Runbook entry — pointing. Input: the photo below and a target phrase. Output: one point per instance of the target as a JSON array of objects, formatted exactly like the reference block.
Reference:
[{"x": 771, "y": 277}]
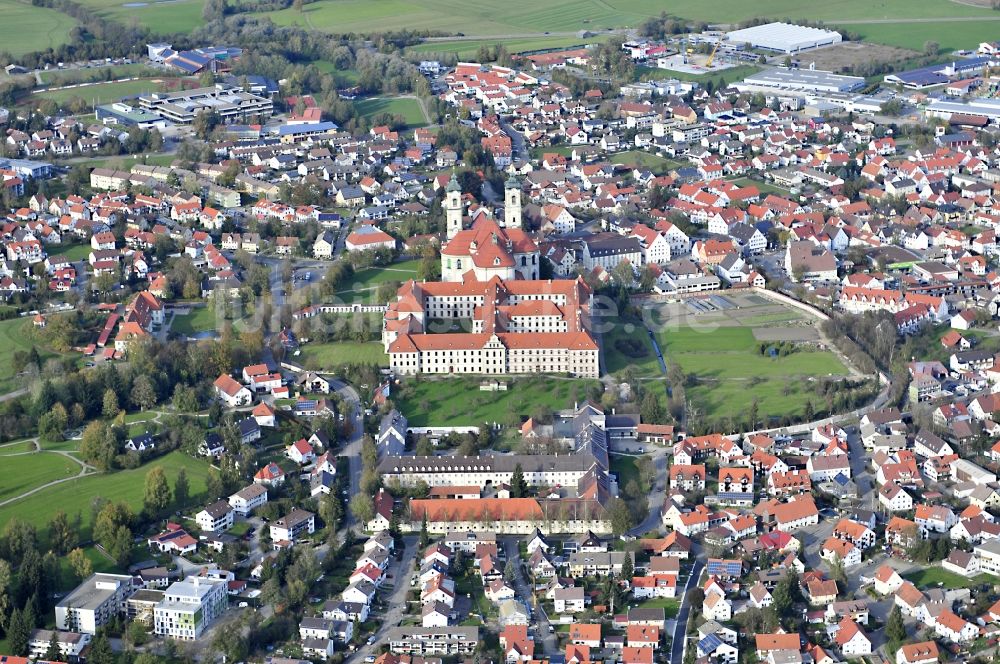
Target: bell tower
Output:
[
  {"x": 453, "y": 207},
  {"x": 512, "y": 203}
]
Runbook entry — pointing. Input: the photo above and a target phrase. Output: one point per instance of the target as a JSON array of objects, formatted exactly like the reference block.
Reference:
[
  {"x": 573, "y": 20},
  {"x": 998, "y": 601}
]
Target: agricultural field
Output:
[
  {"x": 26, "y": 28},
  {"x": 406, "y": 107},
  {"x": 458, "y": 401},
  {"x": 338, "y": 353},
  {"x": 126, "y": 485},
  {"x": 163, "y": 17},
  {"x": 951, "y": 36},
  {"x": 720, "y": 352},
  {"x": 101, "y": 93},
  {"x": 468, "y": 48},
  {"x": 566, "y": 16}
]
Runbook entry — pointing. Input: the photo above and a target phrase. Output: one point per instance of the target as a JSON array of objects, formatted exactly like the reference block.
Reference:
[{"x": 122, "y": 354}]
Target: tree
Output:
[
  {"x": 510, "y": 571},
  {"x": 424, "y": 537},
  {"x": 143, "y": 393},
  {"x": 62, "y": 535},
  {"x": 620, "y": 516},
  {"x": 518, "y": 485},
  {"x": 100, "y": 650},
  {"x": 931, "y": 47},
  {"x": 156, "y": 497},
  {"x": 895, "y": 630},
  {"x": 781, "y": 598},
  {"x": 362, "y": 507},
  {"x": 80, "y": 564},
  {"x": 182, "y": 489},
  {"x": 5, "y": 590},
  {"x": 19, "y": 632},
  {"x": 110, "y": 404},
  {"x": 628, "y": 569},
  {"x": 53, "y": 653}
]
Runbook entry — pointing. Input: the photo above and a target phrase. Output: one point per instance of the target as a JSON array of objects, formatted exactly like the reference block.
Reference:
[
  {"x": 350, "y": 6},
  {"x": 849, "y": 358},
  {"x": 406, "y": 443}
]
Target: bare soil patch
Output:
[{"x": 843, "y": 57}]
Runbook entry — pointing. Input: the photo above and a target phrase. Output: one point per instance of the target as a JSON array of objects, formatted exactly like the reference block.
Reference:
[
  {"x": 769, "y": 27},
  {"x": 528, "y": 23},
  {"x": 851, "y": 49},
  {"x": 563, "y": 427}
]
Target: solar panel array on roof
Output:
[
  {"x": 708, "y": 644},
  {"x": 725, "y": 567},
  {"x": 735, "y": 496}
]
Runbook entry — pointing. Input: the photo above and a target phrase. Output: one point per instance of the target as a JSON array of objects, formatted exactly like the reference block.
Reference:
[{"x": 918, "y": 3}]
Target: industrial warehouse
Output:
[
  {"x": 799, "y": 80},
  {"x": 784, "y": 37}
]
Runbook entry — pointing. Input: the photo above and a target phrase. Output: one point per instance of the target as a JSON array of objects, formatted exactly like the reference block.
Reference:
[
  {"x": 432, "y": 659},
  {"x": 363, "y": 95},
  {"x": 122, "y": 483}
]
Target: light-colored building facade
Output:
[
  {"x": 189, "y": 607},
  {"x": 94, "y": 602}
]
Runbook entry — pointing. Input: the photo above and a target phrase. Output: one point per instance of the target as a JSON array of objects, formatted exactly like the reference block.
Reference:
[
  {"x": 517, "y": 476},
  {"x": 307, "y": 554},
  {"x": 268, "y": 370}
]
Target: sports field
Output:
[
  {"x": 25, "y": 28},
  {"x": 720, "y": 353},
  {"x": 406, "y": 107},
  {"x": 126, "y": 485},
  {"x": 101, "y": 93}
]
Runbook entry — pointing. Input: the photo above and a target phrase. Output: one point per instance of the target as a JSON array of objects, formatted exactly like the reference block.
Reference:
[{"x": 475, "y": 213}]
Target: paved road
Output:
[
  {"x": 352, "y": 448},
  {"x": 395, "y": 603},
  {"x": 679, "y": 639},
  {"x": 523, "y": 590}
]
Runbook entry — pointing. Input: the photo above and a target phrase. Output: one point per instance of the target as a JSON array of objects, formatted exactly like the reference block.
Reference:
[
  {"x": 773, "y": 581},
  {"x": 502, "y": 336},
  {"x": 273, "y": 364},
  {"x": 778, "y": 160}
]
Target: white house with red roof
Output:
[{"x": 300, "y": 451}]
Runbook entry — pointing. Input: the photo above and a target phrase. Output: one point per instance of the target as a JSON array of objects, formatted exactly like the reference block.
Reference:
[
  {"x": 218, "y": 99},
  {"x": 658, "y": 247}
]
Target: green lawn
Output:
[
  {"x": 361, "y": 288},
  {"x": 19, "y": 447},
  {"x": 669, "y": 605},
  {"x": 458, "y": 401},
  {"x": 762, "y": 187},
  {"x": 929, "y": 577},
  {"x": 125, "y": 162},
  {"x": 336, "y": 354},
  {"x": 74, "y": 252},
  {"x": 408, "y": 108},
  {"x": 102, "y": 93},
  {"x": 126, "y": 485},
  {"x": 732, "y": 353},
  {"x": 201, "y": 319},
  {"x": 618, "y": 356},
  {"x": 69, "y": 76},
  {"x": 637, "y": 158},
  {"x": 14, "y": 336},
  {"x": 727, "y": 76},
  {"x": 26, "y": 28},
  {"x": 729, "y": 372},
  {"x": 624, "y": 467},
  {"x": 27, "y": 471}
]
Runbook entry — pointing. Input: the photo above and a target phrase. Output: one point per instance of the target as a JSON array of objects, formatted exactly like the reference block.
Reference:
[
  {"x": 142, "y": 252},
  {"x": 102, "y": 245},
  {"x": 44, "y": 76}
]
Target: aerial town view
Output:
[{"x": 452, "y": 331}]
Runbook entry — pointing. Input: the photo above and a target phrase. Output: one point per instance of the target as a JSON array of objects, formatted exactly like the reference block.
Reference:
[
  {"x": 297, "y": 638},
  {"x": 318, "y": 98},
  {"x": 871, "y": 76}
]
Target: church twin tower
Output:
[{"x": 454, "y": 209}]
